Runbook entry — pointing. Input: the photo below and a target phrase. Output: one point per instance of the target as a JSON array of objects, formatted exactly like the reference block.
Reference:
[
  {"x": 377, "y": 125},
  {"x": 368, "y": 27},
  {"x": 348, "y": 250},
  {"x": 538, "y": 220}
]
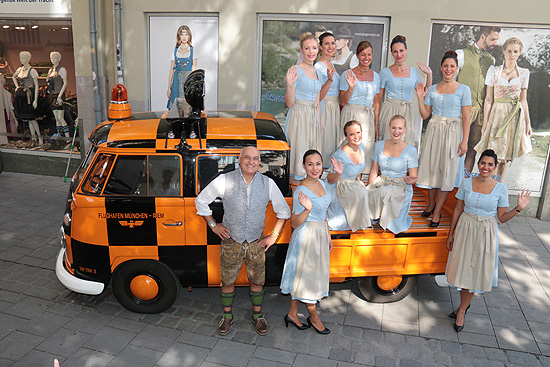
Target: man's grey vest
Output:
[
  {"x": 476, "y": 64},
  {"x": 246, "y": 221}
]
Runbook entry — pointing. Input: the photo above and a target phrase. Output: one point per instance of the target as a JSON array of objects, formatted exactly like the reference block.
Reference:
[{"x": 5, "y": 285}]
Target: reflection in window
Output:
[
  {"x": 129, "y": 176},
  {"x": 164, "y": 170},
  {"x": 96, "y": 179},
  {"x": 145, "y": 175},
  {"x": 273, "y": 165}
]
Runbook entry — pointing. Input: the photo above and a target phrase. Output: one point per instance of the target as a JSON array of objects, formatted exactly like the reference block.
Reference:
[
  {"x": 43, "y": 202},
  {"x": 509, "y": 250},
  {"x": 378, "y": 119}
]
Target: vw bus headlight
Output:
[
  {"x": 62, "y": 239},
  {"x": 67, "y": 219}
]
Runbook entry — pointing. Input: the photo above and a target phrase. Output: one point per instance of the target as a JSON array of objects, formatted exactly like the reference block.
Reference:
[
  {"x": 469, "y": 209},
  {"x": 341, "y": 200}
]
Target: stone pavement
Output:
[{"x": 40, "y": 320}]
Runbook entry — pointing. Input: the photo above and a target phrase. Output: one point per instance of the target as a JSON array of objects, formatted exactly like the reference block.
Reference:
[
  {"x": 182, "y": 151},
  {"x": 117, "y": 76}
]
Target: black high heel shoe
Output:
[
  {"x": 325, "y": 331},
  {"x": 452, "y": 315},
  {"x": 434, "y": 224},
  {"x": 426, "y": 214},
  {"x": 458, "y": 329},
  {"x": 288, "y": 320}
]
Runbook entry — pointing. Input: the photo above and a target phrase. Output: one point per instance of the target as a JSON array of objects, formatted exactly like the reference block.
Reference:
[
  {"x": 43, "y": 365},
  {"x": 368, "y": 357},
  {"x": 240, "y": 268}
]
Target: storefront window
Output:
[{"x": 37, "y": 53}]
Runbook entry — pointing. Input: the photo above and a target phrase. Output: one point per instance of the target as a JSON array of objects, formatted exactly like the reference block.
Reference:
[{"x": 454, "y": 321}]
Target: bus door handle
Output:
[{"x": 176, "y": 224}]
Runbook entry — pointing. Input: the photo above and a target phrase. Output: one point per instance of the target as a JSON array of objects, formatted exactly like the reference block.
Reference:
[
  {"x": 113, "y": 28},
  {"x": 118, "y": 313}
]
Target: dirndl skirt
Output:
[
  {"x": 354, "y": 198},
  {"x": 390, "y": 108},
  {"x": 439, "y": 160},
  {"x": 306, "y": 270},
  {"x": 513, "y": 142},
  {"x": 387, "y": 198},
  {"x": 472, "y": 263},
  {"x": 331, "y": 134},
  {"x": 365, "y": 116},
  {"x": 302, "y": 130}
]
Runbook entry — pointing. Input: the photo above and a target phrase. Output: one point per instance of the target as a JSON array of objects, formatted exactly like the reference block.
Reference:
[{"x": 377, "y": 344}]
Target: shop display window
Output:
[{"x": 40, "y": 121}]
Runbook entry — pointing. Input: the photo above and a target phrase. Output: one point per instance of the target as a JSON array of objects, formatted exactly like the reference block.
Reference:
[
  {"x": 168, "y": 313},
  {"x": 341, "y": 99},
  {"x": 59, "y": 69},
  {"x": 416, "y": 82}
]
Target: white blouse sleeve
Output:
[{"x": 490, "y": 77}]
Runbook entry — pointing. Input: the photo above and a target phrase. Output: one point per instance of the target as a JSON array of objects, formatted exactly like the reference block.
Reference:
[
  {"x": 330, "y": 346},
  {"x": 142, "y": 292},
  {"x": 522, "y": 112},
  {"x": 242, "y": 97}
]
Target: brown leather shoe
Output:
[
  {"x": 261, "y": 325},
  {"x": 225, "y": 325}
]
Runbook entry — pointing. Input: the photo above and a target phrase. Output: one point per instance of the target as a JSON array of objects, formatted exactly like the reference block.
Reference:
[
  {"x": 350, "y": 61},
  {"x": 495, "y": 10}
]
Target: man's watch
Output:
[{"x": 212, "y": 223}]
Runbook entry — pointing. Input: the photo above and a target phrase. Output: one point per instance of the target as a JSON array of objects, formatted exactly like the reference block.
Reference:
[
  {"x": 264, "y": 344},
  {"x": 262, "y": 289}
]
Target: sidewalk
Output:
[{"x": 41, "y": 320}]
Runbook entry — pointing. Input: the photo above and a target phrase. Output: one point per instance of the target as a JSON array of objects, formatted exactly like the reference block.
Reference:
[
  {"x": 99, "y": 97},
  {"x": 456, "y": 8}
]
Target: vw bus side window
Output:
[
  {"x": 211, "y": 166},
  {"x": 164, "y": 175},
  {"x": 273, "y": 165},
  {"x": 129, "y": 176},
  {"x": 96, "y": 178}
]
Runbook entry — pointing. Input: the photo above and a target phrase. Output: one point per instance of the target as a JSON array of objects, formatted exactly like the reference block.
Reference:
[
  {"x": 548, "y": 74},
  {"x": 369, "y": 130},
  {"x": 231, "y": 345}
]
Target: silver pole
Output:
[
  {"x": 95, "y": 65},
  {"x": 118, "y": 37}
]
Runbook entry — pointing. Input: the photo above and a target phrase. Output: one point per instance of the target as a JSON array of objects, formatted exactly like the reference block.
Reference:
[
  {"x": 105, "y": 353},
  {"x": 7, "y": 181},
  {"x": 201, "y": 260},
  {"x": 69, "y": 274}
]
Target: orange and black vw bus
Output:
[{"x": 130, "y": 215}]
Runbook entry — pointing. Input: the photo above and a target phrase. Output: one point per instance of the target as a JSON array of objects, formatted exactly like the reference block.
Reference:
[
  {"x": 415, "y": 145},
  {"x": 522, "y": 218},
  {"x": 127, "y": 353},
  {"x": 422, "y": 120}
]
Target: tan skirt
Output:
[
  {"x": 331, "y": 129},
  {"x": 354, "y": 198},
  {"x": 365, "y": 116},
  {"x": 386, "y": 198},
  {"x": 311, "y": 282},
  {"x": 471, "y": 263},
  {"x": 439, "y": 158},
  {"x": 302, "y": 133},
  {"x": 514, "y": 142},
  {"x": 390, "y": 108}
]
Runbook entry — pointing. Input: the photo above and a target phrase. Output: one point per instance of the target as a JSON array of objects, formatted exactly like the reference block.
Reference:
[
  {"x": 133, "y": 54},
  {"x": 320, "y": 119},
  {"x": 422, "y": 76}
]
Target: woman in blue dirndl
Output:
[{"x": 182, "y": 65}]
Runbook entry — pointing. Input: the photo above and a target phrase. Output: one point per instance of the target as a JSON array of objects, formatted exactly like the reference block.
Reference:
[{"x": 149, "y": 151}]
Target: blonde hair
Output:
[
  {"x": 512, "y": 41},
  {"x": 351, "y": 123},
  {"x": 180, "y": 31},
  {"x": 307, "y": 36},
  {"x": 397, "y": 117}
]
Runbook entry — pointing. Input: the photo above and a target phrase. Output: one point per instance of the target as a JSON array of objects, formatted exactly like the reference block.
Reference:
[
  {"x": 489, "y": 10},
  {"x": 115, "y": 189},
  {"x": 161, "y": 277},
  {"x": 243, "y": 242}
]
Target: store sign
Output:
[{"x": 35, "y": 7}]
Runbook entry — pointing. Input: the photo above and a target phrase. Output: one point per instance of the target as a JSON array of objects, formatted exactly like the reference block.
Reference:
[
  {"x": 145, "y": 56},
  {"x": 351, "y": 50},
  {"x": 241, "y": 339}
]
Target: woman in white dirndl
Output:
[
  {"x": 331, "y": 131},
  {"x": 306, "y": 270},
  {"x": 472, "y": 266},
  {"x": 360, "y": 96},
  {"x": 445, "y": 142},
  {"x": 506, "y": 121},
  {"x": 399, "y": 81},
  {"x": 302, "y": 97}
]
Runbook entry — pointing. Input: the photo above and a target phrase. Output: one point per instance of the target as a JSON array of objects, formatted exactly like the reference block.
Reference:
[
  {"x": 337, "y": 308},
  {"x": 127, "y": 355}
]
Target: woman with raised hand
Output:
[
  {"x": 302, "y": 97},
  {"x": 399, "y": 82},
  {"x": 441, "y": 165},
  {"x": 359, "y": 94},
  {"x": 306, "y": 270},
  {"x": 472, "y": 266},
  {"x": 331, "y": 132},
  {"x": 349, "y": 207}
]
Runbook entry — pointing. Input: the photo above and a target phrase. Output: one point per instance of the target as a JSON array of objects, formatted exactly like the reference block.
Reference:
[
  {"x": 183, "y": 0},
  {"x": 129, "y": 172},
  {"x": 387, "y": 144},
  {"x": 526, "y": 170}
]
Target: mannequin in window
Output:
[
  {"x": 57, "y": 83},
  {"x": 25, "y": 79}
]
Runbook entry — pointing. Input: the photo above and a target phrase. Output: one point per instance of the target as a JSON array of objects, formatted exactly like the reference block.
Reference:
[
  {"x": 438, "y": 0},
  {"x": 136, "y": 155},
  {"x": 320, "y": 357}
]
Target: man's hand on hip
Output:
[{"x": 221, "y": 231}]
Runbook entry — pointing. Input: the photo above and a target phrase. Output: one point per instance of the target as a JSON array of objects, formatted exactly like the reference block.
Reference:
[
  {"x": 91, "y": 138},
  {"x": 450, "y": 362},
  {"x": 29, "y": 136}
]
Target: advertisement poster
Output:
[
  {"x": 163, "y": 47},
  {"x": 525, "y": 171},
  {"x": 280, "y": 49}
]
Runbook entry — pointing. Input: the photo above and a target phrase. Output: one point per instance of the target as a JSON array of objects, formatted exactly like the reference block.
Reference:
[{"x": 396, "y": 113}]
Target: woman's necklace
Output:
[
  {"x": 484, "y": 180},
  {"x": 328, "y": 59},
  {"x": 363, "y": 71},
  {"x": 508, "y": 72}
]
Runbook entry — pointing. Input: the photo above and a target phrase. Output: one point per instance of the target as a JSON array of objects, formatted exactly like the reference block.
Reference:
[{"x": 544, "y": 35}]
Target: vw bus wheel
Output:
[
  {"x": 145, "y": 286},
  {"x": 386, "y": 288}
]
